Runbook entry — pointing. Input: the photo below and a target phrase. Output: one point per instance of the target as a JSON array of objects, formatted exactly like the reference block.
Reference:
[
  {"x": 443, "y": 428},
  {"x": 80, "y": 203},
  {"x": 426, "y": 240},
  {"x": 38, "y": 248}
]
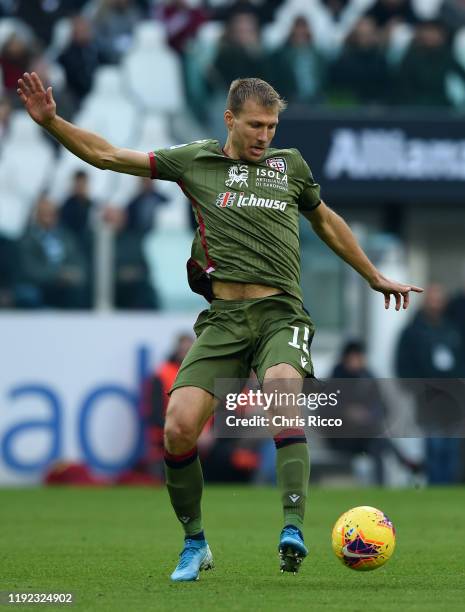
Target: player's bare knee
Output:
[
  {"x": 179, "y": 437},
  {"x": 284, "y": 383},
  {"x": 188, "y": 410}
]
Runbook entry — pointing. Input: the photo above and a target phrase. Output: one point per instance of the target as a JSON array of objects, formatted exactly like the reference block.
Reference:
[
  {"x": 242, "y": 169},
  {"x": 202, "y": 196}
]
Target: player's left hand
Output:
[{"x": 400, "y": 292}]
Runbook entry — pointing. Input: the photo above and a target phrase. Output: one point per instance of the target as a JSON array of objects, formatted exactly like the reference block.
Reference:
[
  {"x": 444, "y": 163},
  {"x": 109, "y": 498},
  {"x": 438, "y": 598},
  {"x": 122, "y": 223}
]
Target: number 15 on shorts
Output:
[{"x": 297, "y": 334}]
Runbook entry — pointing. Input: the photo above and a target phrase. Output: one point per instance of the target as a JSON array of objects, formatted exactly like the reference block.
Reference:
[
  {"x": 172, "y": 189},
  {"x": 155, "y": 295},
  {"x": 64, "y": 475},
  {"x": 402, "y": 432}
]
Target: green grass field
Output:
[{"x": 115, "y": 548}]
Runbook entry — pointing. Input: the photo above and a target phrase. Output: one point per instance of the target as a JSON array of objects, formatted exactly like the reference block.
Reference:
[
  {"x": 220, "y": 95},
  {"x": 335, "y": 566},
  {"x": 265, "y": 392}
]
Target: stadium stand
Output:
[{"x": 145, "y": 97}]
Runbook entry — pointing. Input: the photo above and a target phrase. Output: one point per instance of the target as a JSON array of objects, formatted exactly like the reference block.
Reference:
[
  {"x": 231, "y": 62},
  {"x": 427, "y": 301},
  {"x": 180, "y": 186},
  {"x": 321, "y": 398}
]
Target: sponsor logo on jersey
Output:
[
  {"x": 225, "y": 199},
  {"x": 278, "y": 163},
  {"x": 269, "y": 177},
  {"x": 253, "y": 200},
  {"x": 238, "y": 175},
  {"x": 228, "y": 199}
]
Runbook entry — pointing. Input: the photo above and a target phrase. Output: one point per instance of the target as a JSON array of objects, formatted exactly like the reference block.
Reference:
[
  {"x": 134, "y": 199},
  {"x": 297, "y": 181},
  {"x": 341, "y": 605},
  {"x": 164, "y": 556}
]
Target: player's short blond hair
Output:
[{"x": 256, "y": 89}]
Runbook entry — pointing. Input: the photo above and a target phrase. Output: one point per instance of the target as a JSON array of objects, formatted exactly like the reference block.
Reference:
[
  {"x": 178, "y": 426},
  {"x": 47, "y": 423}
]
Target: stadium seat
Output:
[
  {"x": 174, "y": 214},
  {"x": 458, "y": 46},
  {"x": 198, "y": 58},
  {"x": 427, "y": 9},
  {"x": 328, "y": 36},
  {"x": 61, "y": 36},
  {"x": 107, "y": 111},
  {"x": 26, "y": 154},
  {"x": 56, "y": 77},
  {"x": 153, "y": 133},
  {"x": 399, "y": 41},
  {"x": 15, "y": 209},
  {"x": 167, "y": 253},
  {"x": 274, "y": 34},
  {"x": 152, "y": 72},
  {"x": 455, "y": 85},
  {"x": 10, "y": 25},
  {"x": 209, "y": 34}
]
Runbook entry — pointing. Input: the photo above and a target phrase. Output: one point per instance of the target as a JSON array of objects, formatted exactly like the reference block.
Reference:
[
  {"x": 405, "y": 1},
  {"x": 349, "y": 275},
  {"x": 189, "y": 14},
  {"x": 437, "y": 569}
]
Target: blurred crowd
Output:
[
  {"x": 52, "y": 264},
  {"x": 331, "y": 52},
  {"x": 318, "y": 52}
]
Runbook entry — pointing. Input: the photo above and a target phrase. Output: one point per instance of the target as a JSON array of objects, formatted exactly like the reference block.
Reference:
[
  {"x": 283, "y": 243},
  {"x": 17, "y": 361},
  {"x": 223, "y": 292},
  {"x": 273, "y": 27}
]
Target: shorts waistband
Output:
[{"x": 219, "y": 304}]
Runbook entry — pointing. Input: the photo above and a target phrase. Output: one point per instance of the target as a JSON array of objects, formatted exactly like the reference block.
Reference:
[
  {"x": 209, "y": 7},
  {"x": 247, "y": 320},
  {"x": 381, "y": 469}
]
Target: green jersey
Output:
[{"x": 247, "y": 213}]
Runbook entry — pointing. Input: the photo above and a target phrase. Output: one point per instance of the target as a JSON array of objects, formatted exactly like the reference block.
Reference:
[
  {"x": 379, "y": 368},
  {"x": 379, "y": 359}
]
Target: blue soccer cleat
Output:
[
  {"x": 292, "y": 550},
  {"x": 195, "y": 556}
]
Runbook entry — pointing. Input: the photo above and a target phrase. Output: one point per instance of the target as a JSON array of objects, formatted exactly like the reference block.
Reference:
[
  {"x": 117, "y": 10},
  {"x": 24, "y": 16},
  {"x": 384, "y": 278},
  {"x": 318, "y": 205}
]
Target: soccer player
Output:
[{"x": 246, "y": 262}]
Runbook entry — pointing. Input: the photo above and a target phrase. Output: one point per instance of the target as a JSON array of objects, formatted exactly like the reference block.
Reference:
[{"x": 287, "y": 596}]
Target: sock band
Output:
[
  {"x": 197, "y": 536},
  {"x": 179, "y": 461},
  {"x": 290, "y": 436}
]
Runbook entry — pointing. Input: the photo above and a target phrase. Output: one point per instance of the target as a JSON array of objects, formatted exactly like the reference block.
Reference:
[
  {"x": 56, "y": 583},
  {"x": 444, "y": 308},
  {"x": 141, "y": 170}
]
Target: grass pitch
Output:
[{"x": 115, "y": 548}]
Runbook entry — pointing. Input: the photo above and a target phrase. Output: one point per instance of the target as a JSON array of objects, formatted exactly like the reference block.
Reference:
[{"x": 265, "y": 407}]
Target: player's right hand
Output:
[{"x": 38, "y": 102}]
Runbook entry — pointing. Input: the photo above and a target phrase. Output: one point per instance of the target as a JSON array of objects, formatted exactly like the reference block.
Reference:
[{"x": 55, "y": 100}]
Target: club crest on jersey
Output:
[
  {"x": 225, "y": 199},
  {"x": 278, "y": 163},
  {"x": 238, "y": 175}
]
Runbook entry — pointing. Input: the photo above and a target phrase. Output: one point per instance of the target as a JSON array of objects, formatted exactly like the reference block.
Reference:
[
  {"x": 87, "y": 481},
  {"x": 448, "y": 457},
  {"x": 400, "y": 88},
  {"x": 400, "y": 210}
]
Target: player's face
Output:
[{"x": 252, "y": 130}]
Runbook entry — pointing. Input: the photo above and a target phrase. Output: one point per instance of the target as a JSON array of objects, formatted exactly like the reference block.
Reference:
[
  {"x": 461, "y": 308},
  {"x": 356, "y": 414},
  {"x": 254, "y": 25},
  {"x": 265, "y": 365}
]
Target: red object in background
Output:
[
  {"x": 138, "y": 475},
  {"x": 181, "y": 22},
  {"x": 245, "y": 459},
  {"x": 167, "y": 373},
  {"x": 134, "y": 478},
  {"x": 77, "y": 474},
  {"x": 12, "y": 71},
  {"x": 153, "y": 412}
]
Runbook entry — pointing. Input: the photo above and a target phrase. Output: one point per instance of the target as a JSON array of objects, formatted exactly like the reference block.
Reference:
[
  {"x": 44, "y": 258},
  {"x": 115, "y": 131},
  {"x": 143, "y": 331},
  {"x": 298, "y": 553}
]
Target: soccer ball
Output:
[{"x": 363, "y": 538}]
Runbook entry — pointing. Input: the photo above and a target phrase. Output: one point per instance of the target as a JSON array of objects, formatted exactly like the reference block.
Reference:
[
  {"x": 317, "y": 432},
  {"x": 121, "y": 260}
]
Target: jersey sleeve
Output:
[
  {"x": 170, "y": 164},
  {"x": 309, "y": 197}
]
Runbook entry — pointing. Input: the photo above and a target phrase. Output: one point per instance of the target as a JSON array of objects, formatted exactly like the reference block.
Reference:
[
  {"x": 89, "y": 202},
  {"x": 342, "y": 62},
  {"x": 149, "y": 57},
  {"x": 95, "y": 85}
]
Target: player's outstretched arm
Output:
[
  {"x": 333, "y": 230},
  {"x": 90, "y": 147}
]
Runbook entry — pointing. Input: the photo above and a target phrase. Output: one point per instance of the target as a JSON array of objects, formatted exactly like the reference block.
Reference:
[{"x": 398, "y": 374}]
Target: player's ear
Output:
[{"x": 228, "y": 118}]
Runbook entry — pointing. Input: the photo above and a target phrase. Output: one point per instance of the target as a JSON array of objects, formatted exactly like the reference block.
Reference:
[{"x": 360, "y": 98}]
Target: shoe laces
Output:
[{"x": 187, "y": 554}]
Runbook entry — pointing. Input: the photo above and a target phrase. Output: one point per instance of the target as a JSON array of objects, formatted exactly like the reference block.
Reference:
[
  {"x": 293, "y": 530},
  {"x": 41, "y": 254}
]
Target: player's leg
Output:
[
  {"x": 292, "y": 466},
  {"x": 282, "y": 360},
  {"x": 220, "y": 352},
  {"x": 188, "y": 410}
]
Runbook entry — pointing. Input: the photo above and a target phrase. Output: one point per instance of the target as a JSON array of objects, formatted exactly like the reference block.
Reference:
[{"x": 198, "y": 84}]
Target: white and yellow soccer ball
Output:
[{"x": 363, "y": 538}]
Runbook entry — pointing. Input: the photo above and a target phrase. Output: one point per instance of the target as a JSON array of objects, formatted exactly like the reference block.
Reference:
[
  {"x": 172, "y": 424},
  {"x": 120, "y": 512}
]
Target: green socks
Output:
[
  {"x": 293, "y": 472},
  {"x": 184, "y": 481}
]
